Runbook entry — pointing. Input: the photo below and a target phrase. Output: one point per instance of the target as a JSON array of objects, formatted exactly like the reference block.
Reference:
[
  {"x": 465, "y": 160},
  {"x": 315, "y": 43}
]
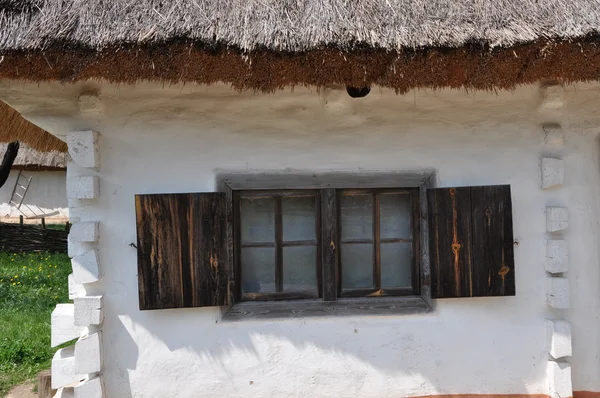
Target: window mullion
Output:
[
  {"x": 376, "y": 243},
  {"x": 278, "y": 245},
  {"x": 319, "y": 248}
]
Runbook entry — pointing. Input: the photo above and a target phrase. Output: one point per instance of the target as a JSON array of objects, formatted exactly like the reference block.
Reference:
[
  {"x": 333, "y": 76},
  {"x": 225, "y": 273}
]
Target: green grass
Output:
[{"x": 30, "y": 287}]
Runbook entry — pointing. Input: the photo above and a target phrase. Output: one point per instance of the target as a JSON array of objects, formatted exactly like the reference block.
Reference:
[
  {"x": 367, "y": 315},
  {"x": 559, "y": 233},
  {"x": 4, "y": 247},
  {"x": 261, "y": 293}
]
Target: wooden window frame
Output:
[
  {"x": 278, "y": 244},
  {"x": 377, "y": 290},
  {"x": 237, "y": 244}
]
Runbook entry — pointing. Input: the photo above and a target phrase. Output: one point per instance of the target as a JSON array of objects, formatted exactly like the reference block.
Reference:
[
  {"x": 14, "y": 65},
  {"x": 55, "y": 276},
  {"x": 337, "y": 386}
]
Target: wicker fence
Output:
[{"x": 17, "y": 238}]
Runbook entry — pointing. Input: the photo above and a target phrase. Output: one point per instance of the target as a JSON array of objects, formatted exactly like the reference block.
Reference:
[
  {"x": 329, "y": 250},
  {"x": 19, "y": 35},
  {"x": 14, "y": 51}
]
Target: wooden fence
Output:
[{"x": 16, "y": 238}]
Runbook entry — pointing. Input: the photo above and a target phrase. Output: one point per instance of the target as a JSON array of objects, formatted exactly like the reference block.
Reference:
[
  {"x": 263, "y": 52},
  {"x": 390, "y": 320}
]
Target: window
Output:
[
  {"x": 237, "y": 246},
  {"x": 379, "y": 255},
  {"x": 279, "y": 245}
]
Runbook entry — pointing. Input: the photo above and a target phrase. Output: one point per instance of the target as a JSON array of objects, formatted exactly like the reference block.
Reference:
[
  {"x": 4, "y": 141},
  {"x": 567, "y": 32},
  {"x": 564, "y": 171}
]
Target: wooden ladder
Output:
[{"x": 17, "y": 197}]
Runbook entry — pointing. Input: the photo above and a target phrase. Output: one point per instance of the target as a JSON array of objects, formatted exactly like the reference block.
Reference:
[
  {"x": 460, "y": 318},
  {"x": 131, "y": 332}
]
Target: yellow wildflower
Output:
[{"x": 14, "y": 284}]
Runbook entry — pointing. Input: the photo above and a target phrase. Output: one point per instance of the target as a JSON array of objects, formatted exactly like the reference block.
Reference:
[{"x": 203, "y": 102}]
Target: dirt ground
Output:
[{"x": 22, "y": 391}]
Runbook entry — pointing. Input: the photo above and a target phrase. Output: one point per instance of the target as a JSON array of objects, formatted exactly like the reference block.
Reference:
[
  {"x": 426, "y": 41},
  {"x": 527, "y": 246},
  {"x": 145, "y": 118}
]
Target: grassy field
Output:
[{"x": 30, "y": 287}]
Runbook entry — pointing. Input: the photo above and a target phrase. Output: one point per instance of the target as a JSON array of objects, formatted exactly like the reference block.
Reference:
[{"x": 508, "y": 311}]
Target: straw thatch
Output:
[
  {"x": 293, "y": 25},
  {"x": 32, "y": 160},
  {"x": 14, "y": 127},
  {"x": 269, "y": 44}
]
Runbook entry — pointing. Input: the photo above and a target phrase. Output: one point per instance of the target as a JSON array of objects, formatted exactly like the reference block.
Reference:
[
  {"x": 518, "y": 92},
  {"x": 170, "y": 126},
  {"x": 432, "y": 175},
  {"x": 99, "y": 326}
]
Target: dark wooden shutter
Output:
[
  {"x": 182, "y": 250},
  {"x": 471, "y": 242}
]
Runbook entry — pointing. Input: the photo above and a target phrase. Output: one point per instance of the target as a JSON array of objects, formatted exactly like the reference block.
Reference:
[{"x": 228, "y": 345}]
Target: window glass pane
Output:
[
  {"x": 258, "y": 270},
  {"x": 396, "y": 265},
  {"x": 299, "y": 268},
  {"x": 357, "y": 217},
  {"x": 299, "y": 218},
  {"x": 258, "y": 219},
  {"x": 395, "y": 214},
  {"x": 357, "y": 265}
]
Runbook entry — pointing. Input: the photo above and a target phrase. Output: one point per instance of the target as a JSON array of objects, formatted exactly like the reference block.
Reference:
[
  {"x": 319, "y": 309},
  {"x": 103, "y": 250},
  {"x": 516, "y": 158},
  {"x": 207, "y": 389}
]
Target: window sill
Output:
[{"x": 252, "y": 310}]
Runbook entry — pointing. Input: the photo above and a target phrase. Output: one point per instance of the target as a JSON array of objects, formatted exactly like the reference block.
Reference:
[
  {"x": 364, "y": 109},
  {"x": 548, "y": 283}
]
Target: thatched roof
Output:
[
  {"x": 14, "y": 127},
  {"x": 32, "y": 160},
  {"x": 269, "y": 44}
]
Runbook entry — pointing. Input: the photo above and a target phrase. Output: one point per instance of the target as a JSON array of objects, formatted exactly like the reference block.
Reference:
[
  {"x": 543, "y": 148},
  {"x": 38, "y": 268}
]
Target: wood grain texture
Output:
[
  {"x": 329, "y": 242},
  {"x": 450, "y": 238},
  {"x": 182, "y": 250},
  {"x": 231, "y": 291},
  {"x": 252, "y": 310},
  {"x": 492, "y": 247},
  {"x": 471, "y": 242}
]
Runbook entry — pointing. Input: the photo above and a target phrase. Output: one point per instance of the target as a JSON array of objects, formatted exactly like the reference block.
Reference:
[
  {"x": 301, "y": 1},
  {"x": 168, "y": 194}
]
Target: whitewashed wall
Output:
[
  {"x": 175, "y": 139},
  {"x": 47, "y": 191}
]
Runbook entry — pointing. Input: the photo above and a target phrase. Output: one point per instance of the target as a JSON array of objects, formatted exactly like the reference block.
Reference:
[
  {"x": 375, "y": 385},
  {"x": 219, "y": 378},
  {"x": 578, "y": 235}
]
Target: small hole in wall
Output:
[{"x": 358, "y": 92}]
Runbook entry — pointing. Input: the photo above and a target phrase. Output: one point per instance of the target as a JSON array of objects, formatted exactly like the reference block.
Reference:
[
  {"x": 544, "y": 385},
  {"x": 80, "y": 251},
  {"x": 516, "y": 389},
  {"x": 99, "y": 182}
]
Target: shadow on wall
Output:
[{"x": 447, "y": 354}]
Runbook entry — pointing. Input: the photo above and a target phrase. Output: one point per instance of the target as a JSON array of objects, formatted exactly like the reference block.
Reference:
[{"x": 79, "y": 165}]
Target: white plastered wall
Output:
[
  {"x": 47, "y": 191},
  {"x": 176, "y": 139}
]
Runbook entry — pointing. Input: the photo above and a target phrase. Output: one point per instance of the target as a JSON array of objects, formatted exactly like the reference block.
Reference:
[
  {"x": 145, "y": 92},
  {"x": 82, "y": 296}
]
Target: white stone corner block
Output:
[
  {"x": 64, "y": 392},
  {"x": 559, "y": 338},
  {"x": 63, "y": 368},
  {"x": 553, "y": 134},
  {"x": 88, "y": 310},
  {"x": 62, "y": 325},
  {"x": 552, "y": 96},
  {"x": 553, "y": 172},
  {"x": 557, "y": 256},
  {"x": 86, "y": 267},
  {"x": 77, "y": 248},
  {"x": 83, "y": 187},
  {"x": 88, "y": 354},
  {"x": 557, "y": 292},
  {"x": 90, "y": 389},
  {"x": 86, "y": 231},
  {"x": 557, "y": 218},
  {"x": 75, "y": 289},
  {"x": 559, "y": 377},
  {"x": 83, "y": 148}
]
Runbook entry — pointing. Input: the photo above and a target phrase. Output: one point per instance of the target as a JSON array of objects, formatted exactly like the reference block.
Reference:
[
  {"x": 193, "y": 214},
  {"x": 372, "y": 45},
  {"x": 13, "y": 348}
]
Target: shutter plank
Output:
[
  {"x": 211, "y": 267},
  {"x": 182, "y": 248},
  {"x": 494, "y": 271},
  {"x": 450, "y": 238},
  {"x": 329, "y": 241}
]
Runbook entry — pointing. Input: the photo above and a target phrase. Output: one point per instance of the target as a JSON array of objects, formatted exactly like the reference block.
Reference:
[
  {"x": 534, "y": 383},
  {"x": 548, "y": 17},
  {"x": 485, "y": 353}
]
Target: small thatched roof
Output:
[
  {"x": 14, "y": 127},
  {"x": 270, "y": 44},
  {"x": 32, "y": 160}
]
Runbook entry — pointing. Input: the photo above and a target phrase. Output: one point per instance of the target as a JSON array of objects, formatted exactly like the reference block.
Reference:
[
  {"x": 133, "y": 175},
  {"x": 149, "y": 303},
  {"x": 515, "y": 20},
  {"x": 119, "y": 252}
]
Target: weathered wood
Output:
[
  {"x": 450, "y": 241},
  {"x": 252, "y": 310},
  {"x": 329, "y": 242},
  {"x": 319, "y": 247},
  {"x": 416, "y": 243},
  {"x": 182, "y": 250},
  {"x": 471, "y": 242},
  {"x": 231, "y": 296},
  {"x": 339, "y": 180},
  {"x": 377, "y": 241},
  {"x": 492, "y": 246},
  {"x": 278, "y": 244},
  {"x": 44, "y": 380}
]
